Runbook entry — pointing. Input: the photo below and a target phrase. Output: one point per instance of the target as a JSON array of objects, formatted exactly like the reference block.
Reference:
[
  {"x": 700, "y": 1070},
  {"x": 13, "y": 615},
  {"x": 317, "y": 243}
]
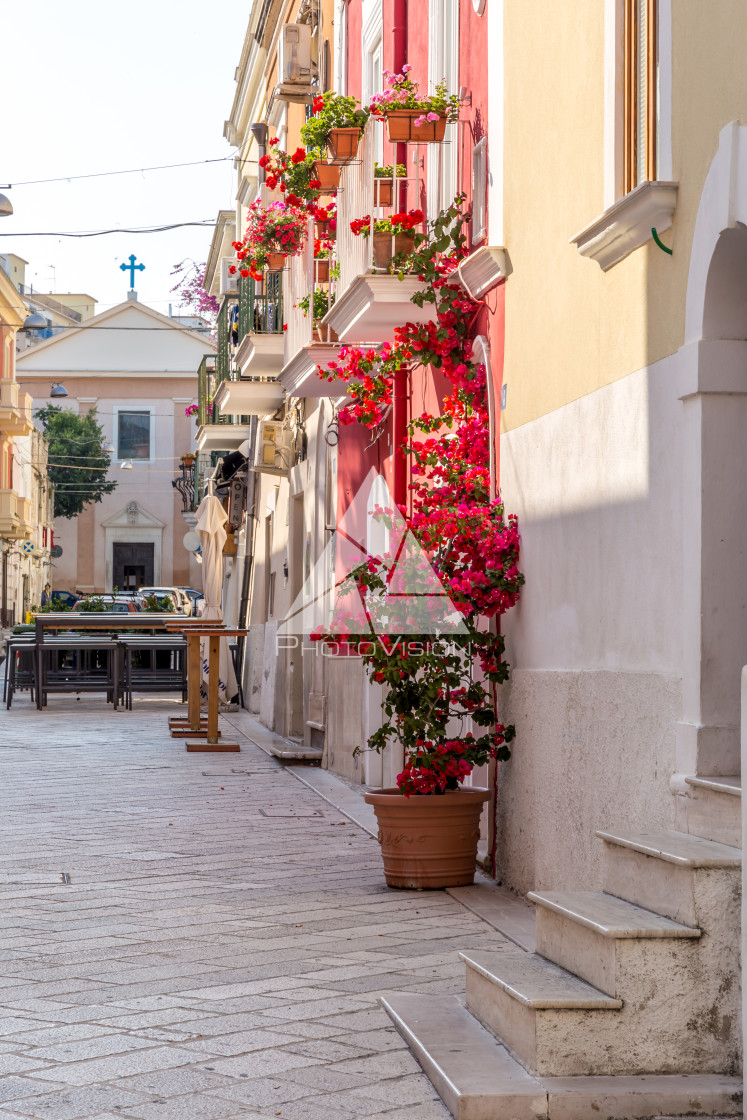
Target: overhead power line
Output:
[
  {"x": 103, "y": 174},
  {"x": 104, "y": 232}
]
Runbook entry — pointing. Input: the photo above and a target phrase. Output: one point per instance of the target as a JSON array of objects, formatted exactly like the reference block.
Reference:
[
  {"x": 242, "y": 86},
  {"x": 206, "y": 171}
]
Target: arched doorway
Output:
[{"x": 715, "y": 469}]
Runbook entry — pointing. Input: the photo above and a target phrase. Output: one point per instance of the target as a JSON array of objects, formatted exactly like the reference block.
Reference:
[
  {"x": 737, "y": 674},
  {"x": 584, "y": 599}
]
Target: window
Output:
[
  {"x": 479, "y": 190},
  {"x": 640, "y": 93},
  {"x": 133, "y": 434}
]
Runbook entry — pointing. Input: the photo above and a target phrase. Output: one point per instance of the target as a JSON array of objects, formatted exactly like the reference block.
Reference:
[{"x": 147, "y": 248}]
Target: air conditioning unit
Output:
[
  {"x": 294, "y": 54},
  {"x": 229, "y": 285},
  {"x": 274, "y": 448}
]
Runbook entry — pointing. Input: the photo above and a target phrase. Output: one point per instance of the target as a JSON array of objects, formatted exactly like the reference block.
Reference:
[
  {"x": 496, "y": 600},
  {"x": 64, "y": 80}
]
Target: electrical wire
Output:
[
  {"x": 104, "y": 232},
  {"x": 106, "y": 174}
]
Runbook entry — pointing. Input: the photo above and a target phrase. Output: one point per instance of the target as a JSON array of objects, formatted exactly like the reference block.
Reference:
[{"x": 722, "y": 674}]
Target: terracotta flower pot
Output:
[
  {"x": 400, "y": 126},
  {"x": 324, "y": 334},
  {"x": 321, "y": 270},
  {"x": 342, "y": 143},
  {"x": 324, "y": 229},
  {"x": 382, "y": 192},
  {"x": 382, "y": 246},
  {"x": 275, "y": 262},
  {"x": 429, "y": 842},
  {"x": 328, "y": 175}
]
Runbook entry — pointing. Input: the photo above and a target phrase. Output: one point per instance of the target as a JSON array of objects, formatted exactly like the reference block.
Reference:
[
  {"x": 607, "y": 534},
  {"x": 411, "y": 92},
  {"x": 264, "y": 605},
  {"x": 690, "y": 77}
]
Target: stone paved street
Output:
[{"x": 197, "y": 937}]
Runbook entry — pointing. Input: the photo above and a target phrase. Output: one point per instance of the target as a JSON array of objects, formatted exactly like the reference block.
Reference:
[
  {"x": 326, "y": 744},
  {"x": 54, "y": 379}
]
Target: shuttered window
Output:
[{"x": 640, "y": 92}]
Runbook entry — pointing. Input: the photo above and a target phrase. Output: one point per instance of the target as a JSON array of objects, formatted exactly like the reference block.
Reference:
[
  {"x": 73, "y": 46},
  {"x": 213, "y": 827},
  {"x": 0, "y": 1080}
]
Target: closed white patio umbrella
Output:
[{"x": 211, "y": 519}]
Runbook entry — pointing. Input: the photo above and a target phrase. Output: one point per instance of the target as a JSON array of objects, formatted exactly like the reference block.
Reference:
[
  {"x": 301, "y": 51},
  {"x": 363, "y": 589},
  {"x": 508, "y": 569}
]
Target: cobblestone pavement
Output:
[{"x": 198, "y": 937}]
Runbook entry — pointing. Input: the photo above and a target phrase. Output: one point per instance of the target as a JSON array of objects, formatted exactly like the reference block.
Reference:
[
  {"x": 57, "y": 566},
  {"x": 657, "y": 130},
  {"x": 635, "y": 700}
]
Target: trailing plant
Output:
[
  {"x": 402, "y": 92},
  {"x": 190, "y": 289},
  {"x": 332, "y": 110},
  {"x": 388, "y": 172},
  {"x": 322, "y": 303},
  {"x": 277, "y": 228},
  {"x": 440, "y": 669},
  {"x": 394, "y": 224}
]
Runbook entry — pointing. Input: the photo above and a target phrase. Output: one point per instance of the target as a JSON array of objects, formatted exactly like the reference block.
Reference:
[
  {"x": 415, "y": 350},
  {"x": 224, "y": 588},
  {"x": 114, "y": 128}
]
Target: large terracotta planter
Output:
[
  {"x": 275, "y": 262},
  {"x": 400, "y": 125},
  {"x": 342, "y": 143},
  {"x": 328, "y": 175},
  {"x": 429, "y": 842},
  {"x": 382, "y": 246}
]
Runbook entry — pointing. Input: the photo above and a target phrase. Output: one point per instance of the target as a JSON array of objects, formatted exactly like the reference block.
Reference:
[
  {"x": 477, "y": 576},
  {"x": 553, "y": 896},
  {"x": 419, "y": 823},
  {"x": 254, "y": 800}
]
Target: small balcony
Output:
[
  {"x": 306, "y": 346},
  {"x": 15, "y": 409},
  {"x": 370, "y": 302},
  {"x": 256, "y": 339},
  {"x": 15, "y": 516},
  {"x": 216, "y": 432}
]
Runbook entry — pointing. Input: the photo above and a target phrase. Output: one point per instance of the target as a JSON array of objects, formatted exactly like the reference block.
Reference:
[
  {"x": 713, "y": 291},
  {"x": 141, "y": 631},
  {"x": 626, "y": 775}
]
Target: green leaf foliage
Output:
[{"x": 78, "y": 465}]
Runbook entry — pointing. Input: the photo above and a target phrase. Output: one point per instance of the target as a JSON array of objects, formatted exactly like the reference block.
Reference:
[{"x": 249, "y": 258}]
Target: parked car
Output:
[
  {"x": 67, "y": 598},
  {"x": 180, "y": 601},
  {"x": 112, "y": 604},
  {"x": 198, "y": 599}
]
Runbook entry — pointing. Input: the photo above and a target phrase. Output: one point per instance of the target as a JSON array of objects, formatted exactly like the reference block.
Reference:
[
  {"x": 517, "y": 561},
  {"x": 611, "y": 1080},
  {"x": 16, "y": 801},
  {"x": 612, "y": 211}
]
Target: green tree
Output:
[{"x": 78, "y": 462}]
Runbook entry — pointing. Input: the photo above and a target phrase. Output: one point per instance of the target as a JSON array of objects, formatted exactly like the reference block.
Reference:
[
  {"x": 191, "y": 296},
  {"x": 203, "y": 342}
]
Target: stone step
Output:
[
  {"x": 713, "y": 809},
  {"x": 469, "y": 1069},
  {"x": 643, "y": 1098},
  {"x": 540, "y": 1011},
  {"x": 477, "y": 1078},
  {"x": 661, "y": 971},
  {"x": 670, "y": 873}
]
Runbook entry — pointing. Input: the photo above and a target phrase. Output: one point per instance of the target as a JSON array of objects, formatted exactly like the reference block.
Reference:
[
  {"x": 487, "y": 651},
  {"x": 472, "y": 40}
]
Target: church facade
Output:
[{"x": 137, "y": 368}]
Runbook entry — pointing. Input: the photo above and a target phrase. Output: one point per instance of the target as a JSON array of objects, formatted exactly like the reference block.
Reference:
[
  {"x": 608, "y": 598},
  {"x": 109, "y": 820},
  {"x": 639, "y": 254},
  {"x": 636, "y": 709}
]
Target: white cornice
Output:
[
  {"x": 373, "y": 305},
  {"x": 482, "y": 270},
  {"x": 628, "y": 224},
  {"x": 300, "y": 378}
]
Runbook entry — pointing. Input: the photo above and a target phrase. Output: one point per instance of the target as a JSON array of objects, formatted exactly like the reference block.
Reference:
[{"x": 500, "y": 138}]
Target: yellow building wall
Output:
[{"x": 571, "y": 328}]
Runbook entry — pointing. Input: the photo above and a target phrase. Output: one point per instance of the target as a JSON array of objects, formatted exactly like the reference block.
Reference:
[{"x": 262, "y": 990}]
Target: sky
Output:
[{"x": 90, "y": 87}]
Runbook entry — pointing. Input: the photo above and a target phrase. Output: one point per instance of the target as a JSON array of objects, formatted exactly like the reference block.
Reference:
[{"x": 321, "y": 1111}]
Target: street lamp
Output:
[
  {"x": 6, "y": 206},
  {"x": 34, "y": 322},
  {"x": 58, "y": 391}
]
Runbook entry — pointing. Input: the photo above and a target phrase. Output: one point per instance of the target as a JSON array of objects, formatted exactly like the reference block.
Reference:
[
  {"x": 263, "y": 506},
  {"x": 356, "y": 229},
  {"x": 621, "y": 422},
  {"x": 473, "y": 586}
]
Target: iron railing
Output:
[
  {"x": 206, "y": 384},
  {"x": 261, "y": 305}
]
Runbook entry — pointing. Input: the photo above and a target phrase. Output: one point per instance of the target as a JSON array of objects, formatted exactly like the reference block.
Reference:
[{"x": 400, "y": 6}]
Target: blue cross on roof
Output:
[{"x": 131, "y": 267}]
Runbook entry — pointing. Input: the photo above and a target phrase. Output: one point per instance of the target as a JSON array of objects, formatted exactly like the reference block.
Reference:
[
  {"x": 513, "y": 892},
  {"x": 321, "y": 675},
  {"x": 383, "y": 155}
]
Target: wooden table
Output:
[
  {"x": 88, "y": 620},
  {"x": 214, "y": 631},
  {"x": 193, "y": 724}
]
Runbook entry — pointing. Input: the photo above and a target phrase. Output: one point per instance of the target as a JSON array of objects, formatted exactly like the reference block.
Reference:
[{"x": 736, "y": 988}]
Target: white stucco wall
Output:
[{"x": 595, "y": 642}]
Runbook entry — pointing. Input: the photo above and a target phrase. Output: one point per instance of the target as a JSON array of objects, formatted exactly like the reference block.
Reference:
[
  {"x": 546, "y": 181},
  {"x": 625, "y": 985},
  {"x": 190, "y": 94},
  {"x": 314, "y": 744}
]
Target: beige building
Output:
[
  {"x": 137, "y": 368},
  {"x": 25, "y": 494}
]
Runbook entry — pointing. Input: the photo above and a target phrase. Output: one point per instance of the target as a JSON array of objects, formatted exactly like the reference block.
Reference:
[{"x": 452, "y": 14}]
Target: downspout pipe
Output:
[
  {"x": 259, "y": 132},
  {"x": 399, "y": 396}
]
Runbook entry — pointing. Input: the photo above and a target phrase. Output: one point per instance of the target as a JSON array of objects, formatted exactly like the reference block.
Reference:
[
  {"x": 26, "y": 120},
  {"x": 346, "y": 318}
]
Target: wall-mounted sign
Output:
[
  {"x": 27, "y": 547},
  {"x": 56, "y": 552}
]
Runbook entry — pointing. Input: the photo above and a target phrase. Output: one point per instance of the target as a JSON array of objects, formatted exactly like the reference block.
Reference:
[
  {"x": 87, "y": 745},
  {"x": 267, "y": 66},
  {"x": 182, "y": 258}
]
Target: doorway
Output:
[{"x": 132, "y": 565}]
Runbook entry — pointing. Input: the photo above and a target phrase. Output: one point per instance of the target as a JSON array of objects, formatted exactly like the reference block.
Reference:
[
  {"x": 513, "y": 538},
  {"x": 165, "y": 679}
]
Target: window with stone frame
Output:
[{"x": 640, "y": 92}]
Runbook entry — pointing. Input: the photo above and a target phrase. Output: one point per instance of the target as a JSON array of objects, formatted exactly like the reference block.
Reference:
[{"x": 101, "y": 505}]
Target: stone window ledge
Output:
[{"x": 628, "y": 224}]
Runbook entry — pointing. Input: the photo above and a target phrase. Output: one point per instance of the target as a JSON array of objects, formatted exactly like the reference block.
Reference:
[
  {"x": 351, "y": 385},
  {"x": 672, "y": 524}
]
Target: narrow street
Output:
[{"x": 198, "y": 937}]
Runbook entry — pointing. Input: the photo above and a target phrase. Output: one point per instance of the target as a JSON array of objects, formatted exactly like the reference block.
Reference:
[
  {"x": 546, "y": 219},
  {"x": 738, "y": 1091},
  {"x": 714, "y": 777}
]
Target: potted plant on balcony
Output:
[
  {"x": 322, "y": 255},
  {"x": 325, "y": 221},
  {"x": 393, "y": 237},
  {"x": 410, "y": 115},
  {"x": 384, "y": 181},
  {"x": 272, "y": 234},
  {"x": 322, "y": 301},
  {"x": 336, "y": 123}
]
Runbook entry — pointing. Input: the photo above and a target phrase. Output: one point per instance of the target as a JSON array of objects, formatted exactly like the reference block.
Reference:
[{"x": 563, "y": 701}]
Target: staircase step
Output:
[
  {"x": 679, "y": 848},
  {"x": 670, "y": 981},
  {"x": 608, "y": 916},
  {"x": 670, "y": 873},
  {"x": 540, "y": 1011},
  {"x": 470, "y": 1070},
  {"x": 713, "y": 809},
  {"x": 643, "y": 1098},
  {"x": 477, "y": 1078},
  {"x": 580, "y": 931}
]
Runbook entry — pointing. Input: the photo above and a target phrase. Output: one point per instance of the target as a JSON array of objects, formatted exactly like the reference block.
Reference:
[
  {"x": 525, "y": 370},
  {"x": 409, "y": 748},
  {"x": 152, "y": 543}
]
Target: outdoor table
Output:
[
  {"x": 193, "y": 723},
  {"x": 83, "y": 620},
  {"x": 214, "y": 631},
  {"x": 80, "y": 676}
]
